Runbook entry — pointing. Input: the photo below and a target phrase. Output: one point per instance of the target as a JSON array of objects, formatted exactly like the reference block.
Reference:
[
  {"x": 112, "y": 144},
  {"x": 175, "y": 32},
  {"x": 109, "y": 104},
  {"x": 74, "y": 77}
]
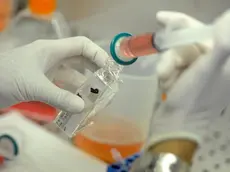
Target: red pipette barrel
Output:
[{"x": 125, "y": 48}]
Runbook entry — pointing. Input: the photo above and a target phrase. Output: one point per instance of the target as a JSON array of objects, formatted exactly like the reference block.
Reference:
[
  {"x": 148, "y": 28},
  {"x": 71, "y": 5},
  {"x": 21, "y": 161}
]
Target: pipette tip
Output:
[{"x": 114, "y": 50}]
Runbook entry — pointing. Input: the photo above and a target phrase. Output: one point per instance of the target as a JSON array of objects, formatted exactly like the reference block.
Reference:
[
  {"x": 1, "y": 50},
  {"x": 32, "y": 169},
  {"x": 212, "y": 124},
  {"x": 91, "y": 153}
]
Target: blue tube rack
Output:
[{"x": 123, "y": 166}]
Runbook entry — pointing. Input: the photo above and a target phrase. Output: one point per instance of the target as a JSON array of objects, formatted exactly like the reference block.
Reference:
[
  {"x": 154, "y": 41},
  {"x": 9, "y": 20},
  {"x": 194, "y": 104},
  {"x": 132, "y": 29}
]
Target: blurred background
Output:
[
  {"x": 104, "y": 18},
  {"x": 127, "y": 118}
]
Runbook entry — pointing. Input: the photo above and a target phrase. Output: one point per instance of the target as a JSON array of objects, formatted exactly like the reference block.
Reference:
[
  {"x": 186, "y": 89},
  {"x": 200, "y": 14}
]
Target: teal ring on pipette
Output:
[
  {"x": 113, "y": 49},
  {"x": 14, "y": 143}
]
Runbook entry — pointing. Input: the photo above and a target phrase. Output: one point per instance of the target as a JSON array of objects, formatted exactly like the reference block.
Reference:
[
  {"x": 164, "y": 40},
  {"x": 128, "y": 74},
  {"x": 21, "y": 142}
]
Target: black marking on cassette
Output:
[
  {"x": 79, "y": 95},
  {"x": 94, "y": 90},
  {"x": 93, "y": 94}
]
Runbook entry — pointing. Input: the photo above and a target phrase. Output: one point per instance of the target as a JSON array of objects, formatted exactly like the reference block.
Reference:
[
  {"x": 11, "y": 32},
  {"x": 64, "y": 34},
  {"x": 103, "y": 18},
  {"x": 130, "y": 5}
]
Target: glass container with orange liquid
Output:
[
  {"x": 123, "y": 125},
  {"x": 39, "y": 21},
  {"x": 107, "y": 133}
]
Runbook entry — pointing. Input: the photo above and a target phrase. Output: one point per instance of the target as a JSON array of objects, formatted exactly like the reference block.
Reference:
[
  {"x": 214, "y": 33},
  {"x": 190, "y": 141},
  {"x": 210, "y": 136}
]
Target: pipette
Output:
[{"x": 125, "y": 48}]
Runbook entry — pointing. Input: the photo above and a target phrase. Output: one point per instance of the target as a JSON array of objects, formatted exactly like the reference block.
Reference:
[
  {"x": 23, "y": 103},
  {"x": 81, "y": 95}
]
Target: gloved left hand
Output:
[{"x": 22, "y": 72}]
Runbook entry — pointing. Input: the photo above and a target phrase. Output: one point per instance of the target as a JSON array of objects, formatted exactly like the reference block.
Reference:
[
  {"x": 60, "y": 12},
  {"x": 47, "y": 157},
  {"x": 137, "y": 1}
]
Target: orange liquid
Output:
[
  {"x": 107, "y": 134},
  {"x": 42, "y": 6},
  {"x": 135, "y": 46},
  {"x": 5, "y": 13}
]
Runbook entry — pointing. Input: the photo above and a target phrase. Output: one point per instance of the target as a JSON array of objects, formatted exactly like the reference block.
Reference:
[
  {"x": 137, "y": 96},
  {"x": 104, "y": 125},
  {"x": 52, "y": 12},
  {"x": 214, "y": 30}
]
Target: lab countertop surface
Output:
[{"x": 41, "y": 151}]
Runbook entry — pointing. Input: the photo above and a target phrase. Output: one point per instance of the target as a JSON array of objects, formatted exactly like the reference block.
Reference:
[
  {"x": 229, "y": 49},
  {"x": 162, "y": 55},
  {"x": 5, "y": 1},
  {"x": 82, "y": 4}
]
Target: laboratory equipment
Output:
[
  {"x": 44, "y": 152},
  {"x": 8, "y": 147},
  {"x": 97, "y": 91},
  {"x": 7, "y": 10},
  {"x": 159, "y": 162},
  {"x": 125, "y": 48},
  {"x": 10, "y": 142},
  {"x": 123, "y": 165},
  {"x": 38, "y": 21},
  {"x": 123, "y": 124}
]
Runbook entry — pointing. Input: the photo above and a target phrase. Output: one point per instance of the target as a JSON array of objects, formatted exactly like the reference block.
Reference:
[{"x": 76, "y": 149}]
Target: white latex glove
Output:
[
  {"x": 22, "y": 71},
  {"x": 174, "y": 61},
  {"x": 197, "y": 84}
]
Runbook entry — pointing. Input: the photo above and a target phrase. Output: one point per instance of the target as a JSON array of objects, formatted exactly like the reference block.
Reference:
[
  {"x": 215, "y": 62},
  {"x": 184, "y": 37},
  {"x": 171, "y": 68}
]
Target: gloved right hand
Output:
[
  {"x": 175, "y": 61},
  {"x": 196, "y": 79}
]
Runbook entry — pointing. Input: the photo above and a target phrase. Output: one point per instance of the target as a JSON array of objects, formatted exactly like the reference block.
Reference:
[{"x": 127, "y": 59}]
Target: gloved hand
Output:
[
  {"x": 174, "y": 61},
  {"x": 196, "y": 80},
  {"x": 22, "y": 71}
]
